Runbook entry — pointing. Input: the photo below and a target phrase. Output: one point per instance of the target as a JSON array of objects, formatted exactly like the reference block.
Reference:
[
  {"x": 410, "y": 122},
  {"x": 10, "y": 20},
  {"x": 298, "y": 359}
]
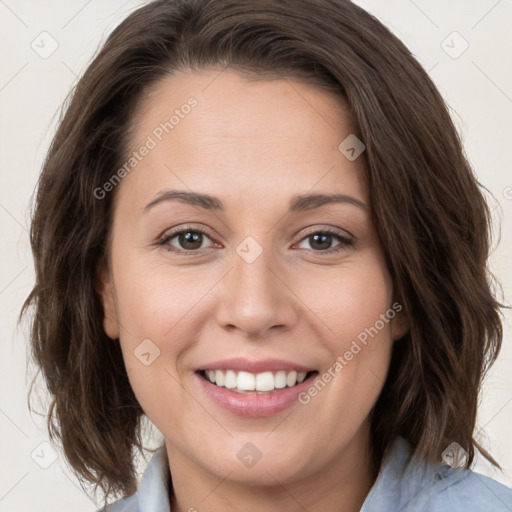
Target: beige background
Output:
[{"x": 475, "y": 81}]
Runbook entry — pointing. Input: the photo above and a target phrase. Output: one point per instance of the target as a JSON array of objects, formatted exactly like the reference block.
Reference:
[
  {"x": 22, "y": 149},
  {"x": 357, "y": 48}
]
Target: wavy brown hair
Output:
[{"x": 427, "y": 206}]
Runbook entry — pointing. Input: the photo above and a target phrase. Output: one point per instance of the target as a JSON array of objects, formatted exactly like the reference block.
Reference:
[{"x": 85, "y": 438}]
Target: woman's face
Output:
[{"x": 267, "y": 285}]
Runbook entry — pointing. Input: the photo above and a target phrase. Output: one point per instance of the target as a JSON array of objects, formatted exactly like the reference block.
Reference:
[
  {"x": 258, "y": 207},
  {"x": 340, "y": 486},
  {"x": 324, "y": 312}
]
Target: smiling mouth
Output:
[{"x": 255, "y": 383}]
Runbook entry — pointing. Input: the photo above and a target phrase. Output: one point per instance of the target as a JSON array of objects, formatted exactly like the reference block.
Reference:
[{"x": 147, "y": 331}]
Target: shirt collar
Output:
[
  {"x": 406, "y": 481},
  {"x": 153, "y": 495}
]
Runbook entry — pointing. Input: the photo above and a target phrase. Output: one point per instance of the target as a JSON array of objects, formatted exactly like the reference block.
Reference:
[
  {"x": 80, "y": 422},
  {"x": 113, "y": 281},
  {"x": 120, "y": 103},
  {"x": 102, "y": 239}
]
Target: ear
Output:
[
  {"x": 400, "y": 324},
  {"x": 106, "y": 291}
]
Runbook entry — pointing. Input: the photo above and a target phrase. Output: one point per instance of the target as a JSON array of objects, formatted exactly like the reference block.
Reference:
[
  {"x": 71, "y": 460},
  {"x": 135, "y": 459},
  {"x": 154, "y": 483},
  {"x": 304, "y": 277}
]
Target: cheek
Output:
[
  {"x": 351, "y": 303},
  {"x": 155, "y": 299},
  {"x": 154, "y": 302},
  {"x": 358, "y": 312}
]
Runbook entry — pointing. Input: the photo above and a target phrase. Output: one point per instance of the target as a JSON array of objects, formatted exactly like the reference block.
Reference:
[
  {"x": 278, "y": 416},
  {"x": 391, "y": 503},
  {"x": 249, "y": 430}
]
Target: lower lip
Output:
[{"x": 254, "y": 404}]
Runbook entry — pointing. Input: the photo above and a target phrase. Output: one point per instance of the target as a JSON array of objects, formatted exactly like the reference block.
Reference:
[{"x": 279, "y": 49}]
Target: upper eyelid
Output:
[
  {"x": 314, "y": 229},
  {"x": 166, "y": 237},
  {"x": 168, "y": 234},
  {"x": 332, "y": 230}
]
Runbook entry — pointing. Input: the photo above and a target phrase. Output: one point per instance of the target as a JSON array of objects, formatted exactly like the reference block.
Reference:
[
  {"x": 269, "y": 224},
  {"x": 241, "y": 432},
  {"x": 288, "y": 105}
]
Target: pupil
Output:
[
  {"x": 190, "y": 238},
  {"x": 318, "y": 240}
]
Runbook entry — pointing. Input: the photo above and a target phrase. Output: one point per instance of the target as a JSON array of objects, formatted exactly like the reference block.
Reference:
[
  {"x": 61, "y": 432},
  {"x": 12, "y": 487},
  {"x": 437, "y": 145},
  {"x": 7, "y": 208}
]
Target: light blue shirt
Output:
[{"x": 402, "y": 485}]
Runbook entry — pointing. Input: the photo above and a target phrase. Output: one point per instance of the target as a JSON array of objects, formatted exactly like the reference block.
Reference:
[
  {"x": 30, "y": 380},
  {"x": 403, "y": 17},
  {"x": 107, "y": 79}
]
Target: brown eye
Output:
[
  {"x": 321, "y": 241},
  {"x": 190, "y": 240},
  {"x": 184, "y": 240}
]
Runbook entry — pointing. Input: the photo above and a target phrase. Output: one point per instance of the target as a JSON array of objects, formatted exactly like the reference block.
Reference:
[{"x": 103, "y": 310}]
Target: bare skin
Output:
[{"x": 255, "y": 146}]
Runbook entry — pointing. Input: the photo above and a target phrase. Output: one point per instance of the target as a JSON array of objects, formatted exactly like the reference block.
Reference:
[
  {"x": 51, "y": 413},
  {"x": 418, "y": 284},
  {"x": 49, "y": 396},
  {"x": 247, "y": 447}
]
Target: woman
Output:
[{"x": 256, "y": 227}]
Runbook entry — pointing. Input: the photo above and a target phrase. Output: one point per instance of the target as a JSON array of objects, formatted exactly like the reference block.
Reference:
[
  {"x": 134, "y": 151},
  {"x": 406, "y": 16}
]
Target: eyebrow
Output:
[{"x": 297, "y": 204}]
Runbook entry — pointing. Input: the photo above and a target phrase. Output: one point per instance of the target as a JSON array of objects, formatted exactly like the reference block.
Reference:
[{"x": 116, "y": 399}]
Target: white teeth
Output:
[
  {"x": 230, "y": 379},
  {"x": 246, "y": 381},
  {"x": 280, "y": 380},
  {"x": 219, "y": 378},
  {"x": 265, "y": 381},
  {"x": 291, "y": 378},
  {"x": 301, "y": 376}
]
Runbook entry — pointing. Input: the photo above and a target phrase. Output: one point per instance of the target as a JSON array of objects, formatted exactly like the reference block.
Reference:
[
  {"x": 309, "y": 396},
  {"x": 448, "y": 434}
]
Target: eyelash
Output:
[{"x": 344, "y": 241}]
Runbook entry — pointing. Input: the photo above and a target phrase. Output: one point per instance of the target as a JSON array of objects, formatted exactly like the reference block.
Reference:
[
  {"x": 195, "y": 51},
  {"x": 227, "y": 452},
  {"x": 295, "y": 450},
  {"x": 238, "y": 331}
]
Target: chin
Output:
[
  {"x": 261, "y": 463},
  {"x": 262, "y": 474}
]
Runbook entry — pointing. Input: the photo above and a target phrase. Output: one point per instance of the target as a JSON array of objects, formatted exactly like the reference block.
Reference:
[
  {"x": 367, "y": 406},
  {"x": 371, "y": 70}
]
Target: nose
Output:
[{"x": 256, "y": 297}]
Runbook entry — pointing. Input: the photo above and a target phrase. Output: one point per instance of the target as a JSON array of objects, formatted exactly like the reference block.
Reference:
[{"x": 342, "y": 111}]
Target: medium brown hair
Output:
[{"x": 427, "y": 206}]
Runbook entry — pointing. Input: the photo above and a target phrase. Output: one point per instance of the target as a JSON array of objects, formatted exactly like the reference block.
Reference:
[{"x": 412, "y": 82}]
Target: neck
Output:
[{"x": 340, "y": 485}]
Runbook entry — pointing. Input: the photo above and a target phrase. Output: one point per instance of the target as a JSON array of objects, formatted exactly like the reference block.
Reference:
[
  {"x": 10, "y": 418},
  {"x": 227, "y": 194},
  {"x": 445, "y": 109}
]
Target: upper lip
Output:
[{"x": 263, "y": 365}]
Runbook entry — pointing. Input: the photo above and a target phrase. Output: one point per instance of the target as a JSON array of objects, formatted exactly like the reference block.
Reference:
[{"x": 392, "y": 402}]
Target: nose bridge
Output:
[{"x": 256, "y": 297}]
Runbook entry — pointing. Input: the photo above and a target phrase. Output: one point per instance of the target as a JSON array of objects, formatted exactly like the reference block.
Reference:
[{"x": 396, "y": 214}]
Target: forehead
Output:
[{"x": 216, "y": 130}]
